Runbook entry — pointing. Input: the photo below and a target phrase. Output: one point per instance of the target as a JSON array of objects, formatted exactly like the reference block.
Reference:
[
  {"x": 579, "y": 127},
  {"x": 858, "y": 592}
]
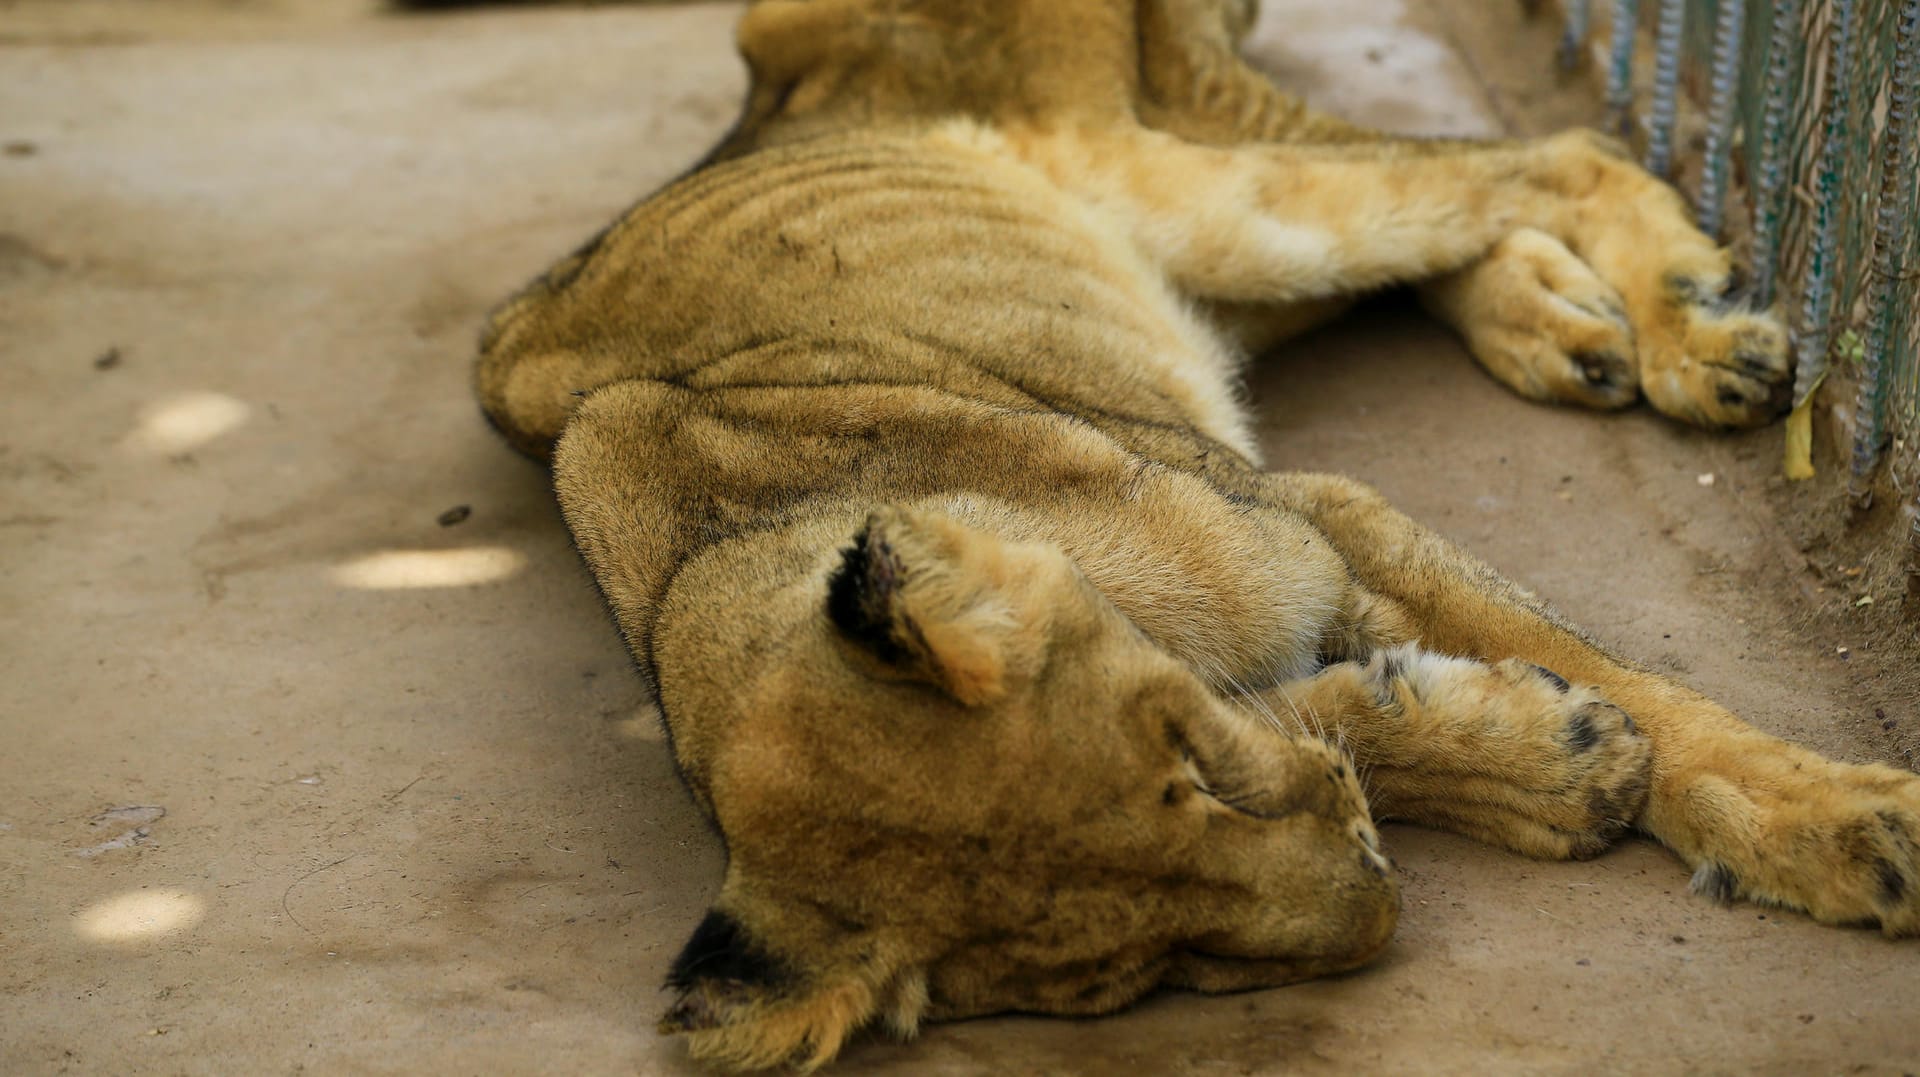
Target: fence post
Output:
[
  {"x": 1770, "y": 181},
  {"x": 1889, "y": 241},
  {"x": 1810, "y": 343},
  {"x": 1666, "y": 86},
  {"x": 1728, "y": 34},
  {"x": 1626, "y": 16}
]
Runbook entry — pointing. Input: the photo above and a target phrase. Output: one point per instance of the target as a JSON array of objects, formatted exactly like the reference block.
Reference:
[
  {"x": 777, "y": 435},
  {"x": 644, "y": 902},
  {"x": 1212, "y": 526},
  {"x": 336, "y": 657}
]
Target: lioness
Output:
[{"x": 902, "y": 437}]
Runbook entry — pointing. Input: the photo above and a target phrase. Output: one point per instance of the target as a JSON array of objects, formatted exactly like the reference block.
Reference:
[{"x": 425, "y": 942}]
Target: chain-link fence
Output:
[{"x": 1793, "y": 124}]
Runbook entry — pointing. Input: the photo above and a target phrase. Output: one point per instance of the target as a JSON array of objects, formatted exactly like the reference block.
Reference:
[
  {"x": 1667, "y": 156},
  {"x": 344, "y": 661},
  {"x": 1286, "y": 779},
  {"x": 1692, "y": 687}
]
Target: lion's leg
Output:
[
  {"x": 1572, "y": 272},
  {"x": 1508, "y": 753},
  {"x": 1283, "y": 223},
  {"x": 1754, "y": 816},
  {"x": 1541, "y": 321},
  {"x": 1608, "y": 292},
  {"x": 1634, "y": 300},
  {"x": 1194, "y": 84}
]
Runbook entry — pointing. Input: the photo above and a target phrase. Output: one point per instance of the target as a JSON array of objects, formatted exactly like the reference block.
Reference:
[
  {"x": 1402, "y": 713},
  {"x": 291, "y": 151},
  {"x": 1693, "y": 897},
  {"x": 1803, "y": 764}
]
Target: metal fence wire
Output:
[{"x": 1805, "y": 115}]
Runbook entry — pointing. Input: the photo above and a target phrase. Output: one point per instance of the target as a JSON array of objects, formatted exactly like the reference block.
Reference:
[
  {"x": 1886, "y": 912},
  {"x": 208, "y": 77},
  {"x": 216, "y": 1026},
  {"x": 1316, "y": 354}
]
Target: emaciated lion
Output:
[{"x": 902, "y": 437}]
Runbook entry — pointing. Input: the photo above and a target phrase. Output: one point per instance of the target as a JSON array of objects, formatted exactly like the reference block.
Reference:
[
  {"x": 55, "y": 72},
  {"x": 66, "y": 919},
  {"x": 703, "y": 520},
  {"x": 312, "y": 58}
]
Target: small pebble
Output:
[{"x": 1705, "y": 480}]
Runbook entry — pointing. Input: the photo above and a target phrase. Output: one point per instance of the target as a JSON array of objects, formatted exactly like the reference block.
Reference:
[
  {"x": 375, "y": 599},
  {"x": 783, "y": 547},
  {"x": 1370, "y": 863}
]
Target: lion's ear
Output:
[
  {"x": 932, "y": 599},
  {"x": 741, "y": 1005}
]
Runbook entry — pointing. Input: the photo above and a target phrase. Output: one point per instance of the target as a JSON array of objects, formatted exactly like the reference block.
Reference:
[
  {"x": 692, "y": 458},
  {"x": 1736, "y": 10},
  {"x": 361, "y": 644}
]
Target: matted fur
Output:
[{"x": 902, "y": 436}]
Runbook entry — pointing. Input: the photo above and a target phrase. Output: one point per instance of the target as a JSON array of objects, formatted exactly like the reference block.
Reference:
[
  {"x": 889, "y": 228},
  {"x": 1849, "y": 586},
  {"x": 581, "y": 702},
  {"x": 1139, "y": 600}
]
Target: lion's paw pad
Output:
[{"x": 1721, "y": 365}]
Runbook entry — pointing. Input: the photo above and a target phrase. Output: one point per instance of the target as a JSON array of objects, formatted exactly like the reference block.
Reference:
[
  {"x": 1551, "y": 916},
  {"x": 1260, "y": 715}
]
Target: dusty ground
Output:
[{"x": 417, "y": 815}]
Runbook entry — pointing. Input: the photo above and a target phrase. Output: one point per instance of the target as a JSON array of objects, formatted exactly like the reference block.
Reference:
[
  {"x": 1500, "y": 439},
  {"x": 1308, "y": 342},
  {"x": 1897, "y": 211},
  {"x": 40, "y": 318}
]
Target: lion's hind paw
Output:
[
  {"x": 1716, "y": 363},
  {"x": 1542, "y": 321},
  {"x": 1844, "y": 847}
]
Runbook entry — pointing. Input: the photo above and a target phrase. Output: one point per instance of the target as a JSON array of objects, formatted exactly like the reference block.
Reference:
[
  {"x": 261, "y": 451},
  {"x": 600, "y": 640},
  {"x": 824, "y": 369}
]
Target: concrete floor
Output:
[{"x": 301, "y": 774}]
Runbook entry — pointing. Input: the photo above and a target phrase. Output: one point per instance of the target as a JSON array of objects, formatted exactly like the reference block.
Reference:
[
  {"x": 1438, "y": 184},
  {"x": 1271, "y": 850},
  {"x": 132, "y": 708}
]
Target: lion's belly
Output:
[{"x": 934, "y": 261}]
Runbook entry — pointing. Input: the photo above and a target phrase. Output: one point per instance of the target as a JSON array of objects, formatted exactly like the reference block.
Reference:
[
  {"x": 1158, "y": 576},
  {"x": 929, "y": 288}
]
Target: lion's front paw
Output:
[
  {"x": 1594, "y": 778},
  {"x": 1541, "y": 321},
  {"x": 1710, "y": 362},
  {"x": 1840, "y": 842},
  {"x": 1703, "y": 356},
  {"x": 1514, "y": 755}
]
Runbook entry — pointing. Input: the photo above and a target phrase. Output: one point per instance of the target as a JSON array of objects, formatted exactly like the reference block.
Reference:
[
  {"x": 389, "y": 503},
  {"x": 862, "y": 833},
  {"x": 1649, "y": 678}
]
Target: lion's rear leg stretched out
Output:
[
  {"x": 1572, "y": 274},
  {"x": 1625, "y": 297}
]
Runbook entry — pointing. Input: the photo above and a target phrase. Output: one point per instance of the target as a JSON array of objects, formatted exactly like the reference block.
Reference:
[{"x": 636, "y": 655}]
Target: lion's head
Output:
[{"x": 954, "y": 778}]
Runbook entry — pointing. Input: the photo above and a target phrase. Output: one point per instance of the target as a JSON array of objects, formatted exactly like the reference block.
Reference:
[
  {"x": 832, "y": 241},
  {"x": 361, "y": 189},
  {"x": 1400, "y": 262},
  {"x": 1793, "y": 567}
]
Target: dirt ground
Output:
[{"x": 321, "y": 755}]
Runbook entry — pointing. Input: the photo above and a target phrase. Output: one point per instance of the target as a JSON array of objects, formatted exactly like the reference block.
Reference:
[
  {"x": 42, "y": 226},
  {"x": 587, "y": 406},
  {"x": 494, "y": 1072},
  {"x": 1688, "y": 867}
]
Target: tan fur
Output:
[{"x": 902, "y": 436}]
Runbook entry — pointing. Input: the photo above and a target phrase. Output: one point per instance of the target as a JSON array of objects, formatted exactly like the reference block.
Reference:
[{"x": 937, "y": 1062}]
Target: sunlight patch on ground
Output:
[
  {"x": 467, "y": 566},
  {"x": 183, "y": 422},
  {"x": 138, "y": 915},
  {"x": 643, "y": 724}
]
